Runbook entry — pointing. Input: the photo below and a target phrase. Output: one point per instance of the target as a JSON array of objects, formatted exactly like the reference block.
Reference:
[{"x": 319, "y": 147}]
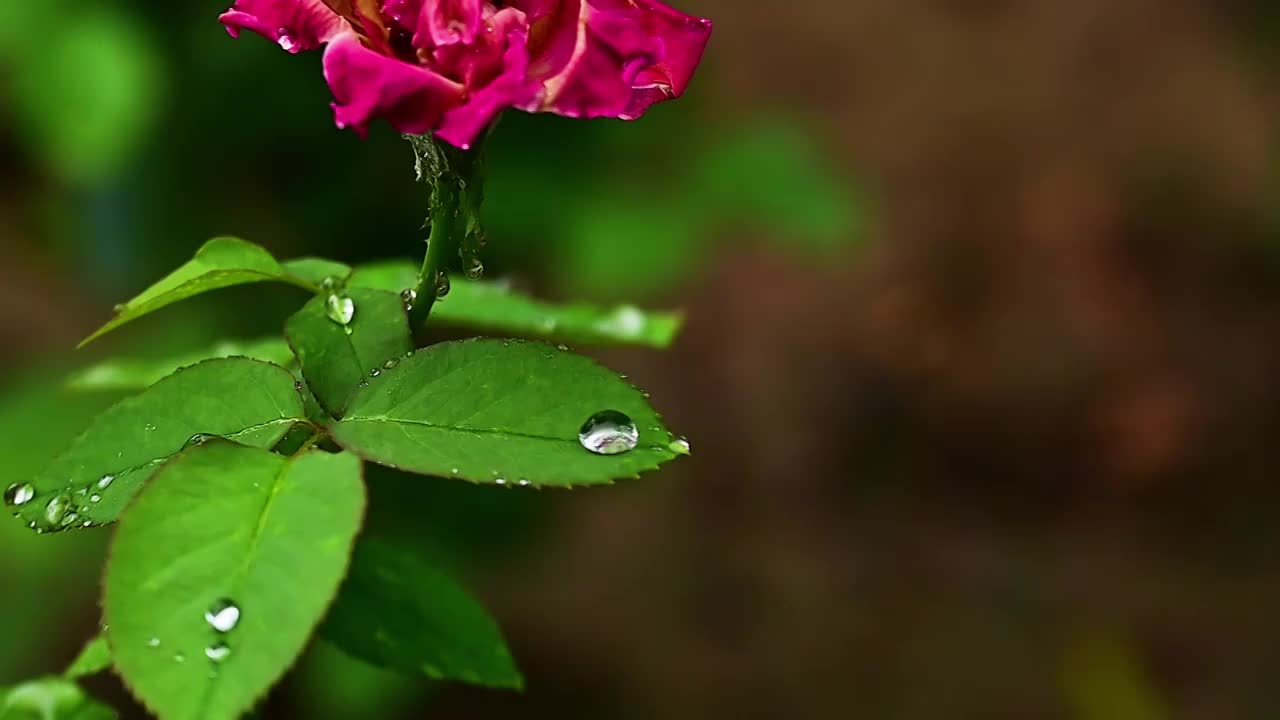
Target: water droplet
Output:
[
  {"x": 375, "y": 372},
  {"x": 524, "y": 483},
  {"x": 86, "y": 523},
  {"x": 409, "y": 354},
  {"x": 105, "y": 481},
  {"x": 287, "y": 43},
  {"x": 298, "y": 386},
  {"x": 499, "y": 481},
  {"x": 340, "y": 309},
  {"x": 609, "y": 433},
  {"x": 475, "y": 268},
  {"x": 179, "y": 657},
  {"x": 562, "y": 348},
  {"x": 223, "y": 616},
  {"x": 390, "y": 364},
  {"x": 69, "y": 519},
  {"x": 153, "y": 642},
  {"x": 408, "y": 297},
  {"x": 118, "y": 308},
  {"x": 95, "y": 498},
  {"x": 443, "y": 285},
  {"x": 57, "y": 509},
  {"x": 627, "y": 320},
  {"x": 330, "y": 283},
  {"x": 218, "y": 652},
  {"x": 197, "y": 439},
  {"x": 18, "y": 495}
]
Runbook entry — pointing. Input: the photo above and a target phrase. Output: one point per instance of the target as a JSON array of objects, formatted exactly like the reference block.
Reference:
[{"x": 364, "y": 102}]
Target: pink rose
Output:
[{"x": 451, "y": 66}]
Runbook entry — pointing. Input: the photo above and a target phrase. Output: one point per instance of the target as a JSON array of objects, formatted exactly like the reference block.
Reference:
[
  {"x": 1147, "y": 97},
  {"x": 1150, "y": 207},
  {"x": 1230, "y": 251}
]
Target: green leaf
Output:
[
  {"x": 223, "y": 524},
  {"x": 491, "y": 307},
  {"x": 337, "y": 358},
  {"x": 500, "y": 412},
  {"x": 396, "y": 610},
  {"x": 93, "y": 659},
  {"x": 317, "y": 270},
  {"x": 252, "y": 402},
  {"x": 51, "y": 699},
  {"x": 127, "y": 375},
  {"x": 220, "y": 263}
]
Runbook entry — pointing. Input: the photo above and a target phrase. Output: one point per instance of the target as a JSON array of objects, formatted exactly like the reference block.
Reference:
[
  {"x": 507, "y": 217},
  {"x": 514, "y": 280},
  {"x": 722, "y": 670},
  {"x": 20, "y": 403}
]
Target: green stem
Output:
[
  {"x": 456, "y": 193},
  {"x": 442, "y": 243}
]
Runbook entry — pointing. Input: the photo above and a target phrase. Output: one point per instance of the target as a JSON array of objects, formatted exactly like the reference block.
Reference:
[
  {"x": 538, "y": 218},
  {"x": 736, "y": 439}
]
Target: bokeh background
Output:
[{"x": 981, "y": 372}]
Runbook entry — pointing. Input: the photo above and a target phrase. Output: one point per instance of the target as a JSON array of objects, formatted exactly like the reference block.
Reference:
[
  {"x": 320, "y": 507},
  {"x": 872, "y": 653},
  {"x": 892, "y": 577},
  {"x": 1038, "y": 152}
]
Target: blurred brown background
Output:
[{"x": 1003, "y": 446}]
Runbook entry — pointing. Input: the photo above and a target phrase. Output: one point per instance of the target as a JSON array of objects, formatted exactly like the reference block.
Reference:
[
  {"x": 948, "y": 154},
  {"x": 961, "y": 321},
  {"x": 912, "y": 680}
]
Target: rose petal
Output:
[
  {"x": 438, "y": 23},
  {"x": 684, "y": 40},
  {"x": 510, "y": 88},
  {"x": 368, "y": 85},
  {"x": 294, "y": 25},
  {"x": 611, "y": 58}
]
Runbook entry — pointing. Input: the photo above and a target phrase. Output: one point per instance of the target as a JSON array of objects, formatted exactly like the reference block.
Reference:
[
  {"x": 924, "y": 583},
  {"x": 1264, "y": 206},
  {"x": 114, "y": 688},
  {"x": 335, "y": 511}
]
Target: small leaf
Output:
[
  {"x": 51, "y": 699},
  {"x": 93, "y": 659},
  {"x": 127, "y": 375},
  {"x": 317, "y": 270},
  {"x": 500, "y": 412},
  {"x": 220, "y": 263},
  {"x": 491, "y": 307},
  {"x": 225, "y": 527},
  {"x": 336, "y": 358},
  {"x": 395, "y": 610},
  {"x": 249, "y": 401}
]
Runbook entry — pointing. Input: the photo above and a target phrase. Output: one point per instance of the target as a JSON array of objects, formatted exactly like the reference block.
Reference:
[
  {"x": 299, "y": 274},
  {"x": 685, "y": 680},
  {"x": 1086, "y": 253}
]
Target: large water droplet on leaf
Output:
[
  {"x": 57, "y": 509},
  {"x": 443, "y": 285},
  {"x": 18, "y": 495},
  {"x": 223, "y": 616},
  {"x": 340, "y": 308},
  {"x": 609, "y": 433}
]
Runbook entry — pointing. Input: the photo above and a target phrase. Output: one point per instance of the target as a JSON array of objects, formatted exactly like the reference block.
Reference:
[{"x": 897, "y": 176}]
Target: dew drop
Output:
[
  {"x": 609, "y": 433},
  {"x": 179, "y": 657},
  {"x": 408, "y": 297},
  {"x": 18, "y": 495},
  {"x": 500, "y": 481},
  {"x": 443, "y": 285},
  {"x": 197, "y": 439},
  {"x": 105, "y": 481},
  {"x": 288, "y": 44},
  {"x": 118, "y": 308},
  {"x": 524, "y": 483},
  {"x": 475, "y": 269},
  {"x": 69, "y": 519},
  {"x": 223, "y": 616},
  {"x": 390, "y": 364},
  {"x": 153, "y": 642},
  {"x": 86, "y": 523},
  {"x": 340, "y": 308},
  {"x": 57, "y": 509},
  {"x": 218, "y": 652},
  {"x": 681, "y": 447},
  {"x": 375, "y": 372},
  {"x": 95, "y": 498}
]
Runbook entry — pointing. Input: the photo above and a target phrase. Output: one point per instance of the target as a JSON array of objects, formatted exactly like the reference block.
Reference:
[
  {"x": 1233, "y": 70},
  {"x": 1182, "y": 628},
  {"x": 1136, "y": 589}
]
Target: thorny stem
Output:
[{"x": 456, "y": 193}]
